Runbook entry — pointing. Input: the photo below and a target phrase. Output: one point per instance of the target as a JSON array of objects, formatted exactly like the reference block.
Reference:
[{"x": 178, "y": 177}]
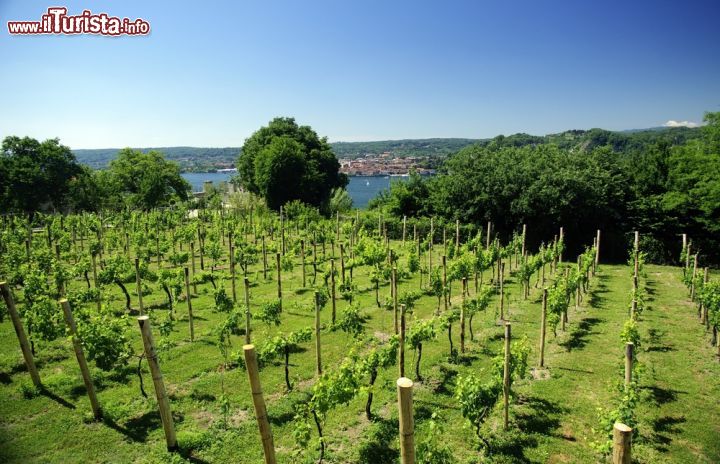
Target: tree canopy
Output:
[
  {"x": 142, "y": 180},
  {"x": 35, "y": 175},
  {"x": 283, "y": 162}
]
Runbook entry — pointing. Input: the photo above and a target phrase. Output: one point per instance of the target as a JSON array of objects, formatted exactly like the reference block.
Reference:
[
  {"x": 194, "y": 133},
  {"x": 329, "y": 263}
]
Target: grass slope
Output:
[{"x": 552, "y": 421}]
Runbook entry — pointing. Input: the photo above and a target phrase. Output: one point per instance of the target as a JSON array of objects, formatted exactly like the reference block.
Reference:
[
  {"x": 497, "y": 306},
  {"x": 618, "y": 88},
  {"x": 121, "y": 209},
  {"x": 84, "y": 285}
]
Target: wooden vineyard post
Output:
[
  {"x": 80, "y": 355},
  {"x": 597, "y": 251},
  {"x": 95, "y": 280},
  {"x": 157, "y": 248},
  {"x": 279, "y": 278},
  {"x": 487, "y": 238},
  {"x": 393, "y": 277},
  {"x": 524, "y": 231},
  {"x": 703, "y": 309},
  {"x": 20, "y": 332},
  {"x": 457, "y": 234},
  {"x": 694, "y": 275},
  {"x": 404, "y": 229},
  {"x": 342, "y": 264},
  {"x": 430, "y": 249},
  {"x": 577, "y": 287},
  {"x": 302, "y": 259},
  {"x": 636, "y": 242},
  {"x": 337, "y": 226},
  {"x": 629, "y": 348},
  {"x": 622, "y": 444},
  {"x": 687, "y": 256},
  {"x": 201, "y": 248},
  {"x": 636, "y": 271},
  {"x": 332, "y": 288},
  {"x": 318, "y": 353},
  {"x": 192, "y": 265},
  {"x": 189, "y": 303},
  {"x": 232, "y": 268},
  {"x": 265, "y": 265},
  {"x": 501, "y": 269},
  {"x": 445, "y": 287},
  {"x": 506, "y": 377},
  {"x": 543, "y": 326},
  {"x": 462, "y": 315},
  {"x": 402, "y": 341},
  {"x": 138, "y": 283},
  {"x": 684, "y": 247},
  {"x": 444, "y": 240},
  {"x": 159, "y": 384},
  {"x": 247, "y": 310},
  {"x": 562, "y": 236},
  {"x": 259, "y": 404},
  {"x": 407, "y": 422},
  {"x": 282, "y": 232},
  {"x": 60, "y": 284}
]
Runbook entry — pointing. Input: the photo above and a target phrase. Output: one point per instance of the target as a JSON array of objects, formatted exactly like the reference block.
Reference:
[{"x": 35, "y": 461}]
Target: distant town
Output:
[
  {"x": 383, "y": 164},
  {"x": 394, "y": 157}
]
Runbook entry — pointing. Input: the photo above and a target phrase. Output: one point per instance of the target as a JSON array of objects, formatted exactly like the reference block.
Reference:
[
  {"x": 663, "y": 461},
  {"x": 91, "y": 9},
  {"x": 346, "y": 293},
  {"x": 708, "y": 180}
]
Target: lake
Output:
[{"x": 361, "y": 189}]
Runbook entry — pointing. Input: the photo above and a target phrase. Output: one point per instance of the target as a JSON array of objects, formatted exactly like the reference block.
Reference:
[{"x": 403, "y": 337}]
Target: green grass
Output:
[{"x": 552, "y": 420}]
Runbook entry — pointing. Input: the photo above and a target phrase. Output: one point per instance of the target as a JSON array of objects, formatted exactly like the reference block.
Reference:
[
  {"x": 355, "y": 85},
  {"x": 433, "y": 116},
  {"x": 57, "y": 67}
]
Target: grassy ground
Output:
[{"x": 554, "y": 418}]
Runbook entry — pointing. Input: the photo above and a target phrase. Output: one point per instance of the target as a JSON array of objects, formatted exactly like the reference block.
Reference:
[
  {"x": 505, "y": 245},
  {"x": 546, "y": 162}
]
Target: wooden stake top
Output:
[
  {"x": 63, "y": 300},
  {"x": 143, "y": 318},
  {"x": 248, "y": 347},
  {"x": 622, "y": 427},
  {"x": 404, "y": 382}
]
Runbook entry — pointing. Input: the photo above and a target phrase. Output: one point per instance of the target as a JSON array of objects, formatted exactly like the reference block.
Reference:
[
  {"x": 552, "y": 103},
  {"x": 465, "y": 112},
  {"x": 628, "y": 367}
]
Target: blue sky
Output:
[{"x": 211, "y": 73}]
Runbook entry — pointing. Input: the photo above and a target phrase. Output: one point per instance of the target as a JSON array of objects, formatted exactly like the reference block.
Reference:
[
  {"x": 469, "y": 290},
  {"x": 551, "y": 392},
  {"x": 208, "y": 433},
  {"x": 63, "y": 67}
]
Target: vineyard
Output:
[{"x": 243, "y": 336}]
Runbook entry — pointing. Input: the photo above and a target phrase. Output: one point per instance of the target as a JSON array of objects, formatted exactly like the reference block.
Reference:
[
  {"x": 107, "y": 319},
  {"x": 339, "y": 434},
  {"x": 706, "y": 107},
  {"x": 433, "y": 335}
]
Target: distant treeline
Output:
[
  {"x": 201, "y": 159},
  {"x": 190, "y": 159}
]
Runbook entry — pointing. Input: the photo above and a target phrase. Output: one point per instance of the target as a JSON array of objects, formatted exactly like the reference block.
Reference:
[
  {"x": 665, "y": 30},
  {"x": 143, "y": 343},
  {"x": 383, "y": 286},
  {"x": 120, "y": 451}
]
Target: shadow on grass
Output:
[
  {"x": 59, "y": 400},
  {"x": 508, "y": 446},
  {"x": 538, "y": 415},
  {"x": 579, "y": 337},
  {"x": 662, "y": 396},
  {"x": 663, "y": 428},
  {"x": 138, "y": 428},
  {"x": 534, "y": 417},
  {"x": 650, "y": 289},
  {"x": 186, "y": 454},
  {"x": 284, "y": 411},
  {"x": 307, "y": 315},
  {"x": 596, "y": 300},
  {"x": 6, "y": 377},
  {"x": 655, "y": 339},
  {"x": 379, "y": 447},
  {"x": 447, "y": 378}
]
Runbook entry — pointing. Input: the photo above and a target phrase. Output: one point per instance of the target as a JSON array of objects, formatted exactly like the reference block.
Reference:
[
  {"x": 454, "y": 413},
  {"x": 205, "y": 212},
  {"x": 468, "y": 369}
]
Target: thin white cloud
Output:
[{"x": 672, "y": 123}]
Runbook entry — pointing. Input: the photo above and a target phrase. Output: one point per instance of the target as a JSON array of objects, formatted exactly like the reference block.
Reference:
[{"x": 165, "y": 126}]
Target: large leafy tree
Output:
[
  {"x": 35, "y": 175},
  {"x": 143, "y": 180},
  {"x": 543, "y": 186},
  {"x": 284, "y": 161}
]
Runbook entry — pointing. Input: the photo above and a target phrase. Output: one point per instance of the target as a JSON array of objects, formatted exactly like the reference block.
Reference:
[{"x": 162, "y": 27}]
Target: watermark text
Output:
[{"x": 57, "y": 21}]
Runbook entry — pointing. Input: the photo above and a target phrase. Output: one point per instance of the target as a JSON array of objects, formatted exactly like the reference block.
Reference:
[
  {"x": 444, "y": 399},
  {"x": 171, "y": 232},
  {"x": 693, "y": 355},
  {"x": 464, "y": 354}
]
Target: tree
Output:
[
  {"x": 143, "y": 180},
  {"x": 34, "y": 175},
  {"x": 285, "y": 162},
  {"x": 340, "y": 201}
]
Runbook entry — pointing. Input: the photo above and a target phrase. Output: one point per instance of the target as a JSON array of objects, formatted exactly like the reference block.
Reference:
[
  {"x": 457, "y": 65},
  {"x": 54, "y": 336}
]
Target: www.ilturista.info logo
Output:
[{"x": 57, "y": 21}]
